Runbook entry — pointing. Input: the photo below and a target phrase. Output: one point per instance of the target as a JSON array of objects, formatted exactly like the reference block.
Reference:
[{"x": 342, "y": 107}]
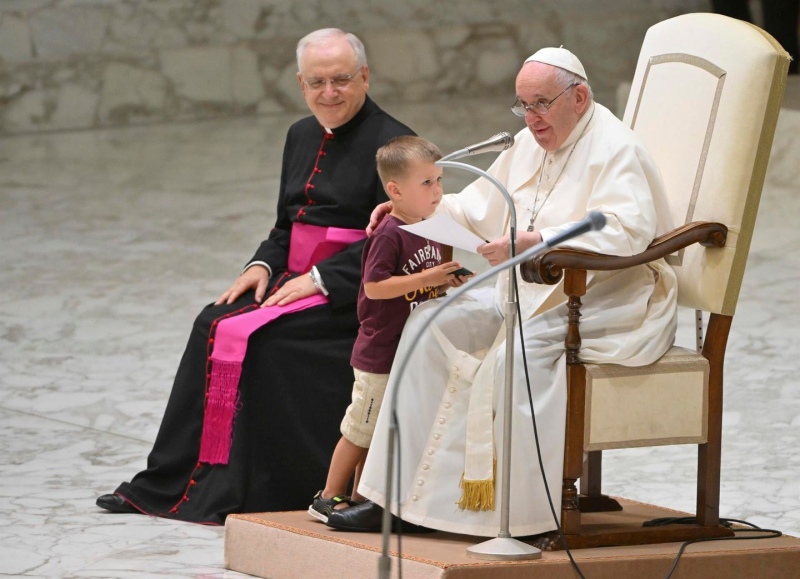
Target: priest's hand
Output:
[
  {"x": 254, "y": 277},
  {"x": 377, "y": 215},
  {"x": 298, "y": 288}
]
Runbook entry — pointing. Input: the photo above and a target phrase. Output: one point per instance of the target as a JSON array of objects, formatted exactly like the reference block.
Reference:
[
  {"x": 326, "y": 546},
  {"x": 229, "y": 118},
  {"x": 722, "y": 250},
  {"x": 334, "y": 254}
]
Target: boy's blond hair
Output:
[{"x": 395, "y": 157}]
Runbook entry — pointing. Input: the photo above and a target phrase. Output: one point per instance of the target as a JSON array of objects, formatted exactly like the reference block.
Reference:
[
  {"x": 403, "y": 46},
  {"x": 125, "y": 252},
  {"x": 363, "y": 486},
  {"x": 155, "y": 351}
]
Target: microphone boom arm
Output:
[
  {"x": 503, "y": 546},
  {"x": 443, "y": 162}
]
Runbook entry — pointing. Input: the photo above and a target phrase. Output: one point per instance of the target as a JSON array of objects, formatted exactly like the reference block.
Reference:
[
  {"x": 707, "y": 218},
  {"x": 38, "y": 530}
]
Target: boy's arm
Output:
[{"x": 399, "y": 285}]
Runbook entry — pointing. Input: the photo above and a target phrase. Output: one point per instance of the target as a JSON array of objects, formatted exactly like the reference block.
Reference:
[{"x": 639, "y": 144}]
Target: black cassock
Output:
[{"x": 296, "y": 377}]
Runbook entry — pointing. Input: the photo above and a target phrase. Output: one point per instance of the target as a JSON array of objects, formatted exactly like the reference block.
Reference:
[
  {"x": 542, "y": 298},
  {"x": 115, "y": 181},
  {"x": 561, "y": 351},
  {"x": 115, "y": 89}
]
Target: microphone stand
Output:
[{"x": 503, "y": 547}]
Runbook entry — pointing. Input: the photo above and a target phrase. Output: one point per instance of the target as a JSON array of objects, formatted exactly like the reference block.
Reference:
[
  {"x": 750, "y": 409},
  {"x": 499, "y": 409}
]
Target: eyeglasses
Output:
[
  {"x": 340, "y": 81},
  {"x": 540, "y": 107}
]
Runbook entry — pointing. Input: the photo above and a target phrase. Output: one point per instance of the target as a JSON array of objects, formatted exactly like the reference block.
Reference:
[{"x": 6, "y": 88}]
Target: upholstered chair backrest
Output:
[{"x": 705, "y": 100}]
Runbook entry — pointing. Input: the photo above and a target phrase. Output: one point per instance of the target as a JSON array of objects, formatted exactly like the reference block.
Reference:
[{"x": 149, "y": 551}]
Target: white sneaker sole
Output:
[{"x": 317, "y": 515}]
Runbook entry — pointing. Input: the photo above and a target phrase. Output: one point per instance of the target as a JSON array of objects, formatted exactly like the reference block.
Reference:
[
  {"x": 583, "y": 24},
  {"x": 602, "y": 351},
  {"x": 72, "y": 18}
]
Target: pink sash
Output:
[{"x": 309, "y": 245}]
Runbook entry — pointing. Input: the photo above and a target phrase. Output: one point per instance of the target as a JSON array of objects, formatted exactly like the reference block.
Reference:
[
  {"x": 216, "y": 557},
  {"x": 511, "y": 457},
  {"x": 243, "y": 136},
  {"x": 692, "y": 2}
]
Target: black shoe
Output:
[
  {"x": 368, "y": 518},
  {"x": 115, "y": 504}
]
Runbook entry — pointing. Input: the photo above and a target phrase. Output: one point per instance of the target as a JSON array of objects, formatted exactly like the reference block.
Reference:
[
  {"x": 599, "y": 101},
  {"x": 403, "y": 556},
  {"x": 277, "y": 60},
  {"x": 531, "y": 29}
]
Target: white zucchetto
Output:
[{"x": 560, "y": 57}]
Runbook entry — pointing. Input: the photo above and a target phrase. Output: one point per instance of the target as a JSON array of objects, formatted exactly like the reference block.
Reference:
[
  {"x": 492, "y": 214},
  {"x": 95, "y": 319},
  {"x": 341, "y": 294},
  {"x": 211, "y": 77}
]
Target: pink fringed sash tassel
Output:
[
  {"x": 221, "y": 400},
  {"x": 309, "y": 245}
]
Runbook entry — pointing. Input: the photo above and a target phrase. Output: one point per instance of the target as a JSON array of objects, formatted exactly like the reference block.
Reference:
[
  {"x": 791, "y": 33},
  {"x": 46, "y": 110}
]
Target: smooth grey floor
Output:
[{"x": 110, "y": 243}]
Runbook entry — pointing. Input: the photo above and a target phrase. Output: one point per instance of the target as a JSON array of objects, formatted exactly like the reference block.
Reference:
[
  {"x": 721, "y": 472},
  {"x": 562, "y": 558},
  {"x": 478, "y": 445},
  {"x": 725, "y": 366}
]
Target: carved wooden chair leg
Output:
[
  {"x": 574, "y": 287},
  {"x": 709, "y": 455}
]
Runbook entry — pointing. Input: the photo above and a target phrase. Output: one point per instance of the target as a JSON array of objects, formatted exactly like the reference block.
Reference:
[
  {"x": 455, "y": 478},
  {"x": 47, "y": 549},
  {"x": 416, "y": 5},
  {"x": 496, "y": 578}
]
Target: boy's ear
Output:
[{"x": 392, "y": 190}]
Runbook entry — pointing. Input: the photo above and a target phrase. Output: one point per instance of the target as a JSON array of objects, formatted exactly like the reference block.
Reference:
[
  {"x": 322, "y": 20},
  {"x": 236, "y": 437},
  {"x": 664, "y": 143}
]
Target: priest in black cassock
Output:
[{"x": 255, "y": 409}]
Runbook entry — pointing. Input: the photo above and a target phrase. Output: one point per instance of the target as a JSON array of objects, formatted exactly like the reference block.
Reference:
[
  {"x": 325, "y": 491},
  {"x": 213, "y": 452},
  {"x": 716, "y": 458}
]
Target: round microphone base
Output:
[{"x": 504, "y": 549}]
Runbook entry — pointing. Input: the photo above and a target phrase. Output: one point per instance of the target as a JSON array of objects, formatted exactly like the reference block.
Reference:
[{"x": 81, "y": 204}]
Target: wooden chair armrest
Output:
[{"x": 548, "y": 267}]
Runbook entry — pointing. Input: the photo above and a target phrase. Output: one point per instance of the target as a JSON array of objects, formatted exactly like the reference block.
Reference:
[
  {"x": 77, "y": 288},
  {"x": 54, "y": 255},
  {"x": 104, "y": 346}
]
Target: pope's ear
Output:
[{"x": 581, "y": 97}]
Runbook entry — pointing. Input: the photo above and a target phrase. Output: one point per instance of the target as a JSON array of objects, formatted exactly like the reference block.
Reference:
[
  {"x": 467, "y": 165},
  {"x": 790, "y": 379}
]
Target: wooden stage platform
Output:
[{"x": 292, "y": 545}]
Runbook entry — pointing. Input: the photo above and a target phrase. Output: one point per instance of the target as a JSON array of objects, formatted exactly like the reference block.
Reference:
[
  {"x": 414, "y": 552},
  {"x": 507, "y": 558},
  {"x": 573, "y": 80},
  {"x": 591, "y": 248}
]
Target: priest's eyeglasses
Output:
[
  {"x": 540, "y": 107},
  {"x": 339, "y": 81}
]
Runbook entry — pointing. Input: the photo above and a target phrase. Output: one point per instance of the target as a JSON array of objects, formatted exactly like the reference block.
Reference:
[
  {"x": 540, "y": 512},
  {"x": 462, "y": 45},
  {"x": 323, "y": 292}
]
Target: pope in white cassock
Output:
[{"x": 574, "y": 157}]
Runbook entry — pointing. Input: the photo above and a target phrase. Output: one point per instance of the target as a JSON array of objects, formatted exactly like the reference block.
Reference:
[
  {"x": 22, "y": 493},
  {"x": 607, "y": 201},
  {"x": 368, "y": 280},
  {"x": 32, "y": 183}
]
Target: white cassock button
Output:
[
  {"x": 414, "y": 498},
  {"x": 420, "y": 482},
  {"x": 442, "y": 421},
  {"x": 447, "y": 405},
  {"x": 437, "y": 436},
  {"x": 430, "y": 452},
  {"x": 452, "y": 389},
  {"x": 426, "y": 466}
]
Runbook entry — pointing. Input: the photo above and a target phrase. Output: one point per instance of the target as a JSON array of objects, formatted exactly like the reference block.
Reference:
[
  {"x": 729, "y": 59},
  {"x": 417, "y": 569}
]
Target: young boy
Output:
[{"x": 399, "y": 271}]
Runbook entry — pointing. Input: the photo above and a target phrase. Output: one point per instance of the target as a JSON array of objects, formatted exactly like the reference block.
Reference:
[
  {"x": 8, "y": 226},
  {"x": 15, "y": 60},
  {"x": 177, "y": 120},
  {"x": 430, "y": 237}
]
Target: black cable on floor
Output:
[
  {"x": 771, "y": 533},
  {"x": 535, "y": 430}
]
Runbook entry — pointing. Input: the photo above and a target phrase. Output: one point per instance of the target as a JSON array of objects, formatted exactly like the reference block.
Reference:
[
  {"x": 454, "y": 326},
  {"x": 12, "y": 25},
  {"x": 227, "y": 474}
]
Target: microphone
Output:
[
  {"x": 498, "y": 142},
  {"x": 592, "y": 222}
]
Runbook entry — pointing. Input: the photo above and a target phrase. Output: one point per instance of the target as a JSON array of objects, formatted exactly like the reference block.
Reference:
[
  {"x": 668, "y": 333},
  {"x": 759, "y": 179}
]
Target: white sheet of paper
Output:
[{"x": 443, "y": 229}]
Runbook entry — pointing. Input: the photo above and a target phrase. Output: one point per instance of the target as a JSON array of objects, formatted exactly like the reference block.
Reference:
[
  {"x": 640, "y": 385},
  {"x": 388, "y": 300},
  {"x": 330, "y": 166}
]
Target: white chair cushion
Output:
[{"x": 659, "y": 404}]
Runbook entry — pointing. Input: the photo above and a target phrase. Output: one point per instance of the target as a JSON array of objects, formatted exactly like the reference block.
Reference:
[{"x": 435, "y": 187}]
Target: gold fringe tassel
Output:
[{"x": 478, "y": 495}]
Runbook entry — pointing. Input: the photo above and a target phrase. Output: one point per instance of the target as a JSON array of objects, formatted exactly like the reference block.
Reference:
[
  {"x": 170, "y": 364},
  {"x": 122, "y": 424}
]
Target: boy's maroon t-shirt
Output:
[{"x": 389, "y": 251}]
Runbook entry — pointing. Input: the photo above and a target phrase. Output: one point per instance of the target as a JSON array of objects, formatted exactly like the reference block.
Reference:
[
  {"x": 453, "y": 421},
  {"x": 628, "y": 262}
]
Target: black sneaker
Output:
[{"x": 321, "y": 508}]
